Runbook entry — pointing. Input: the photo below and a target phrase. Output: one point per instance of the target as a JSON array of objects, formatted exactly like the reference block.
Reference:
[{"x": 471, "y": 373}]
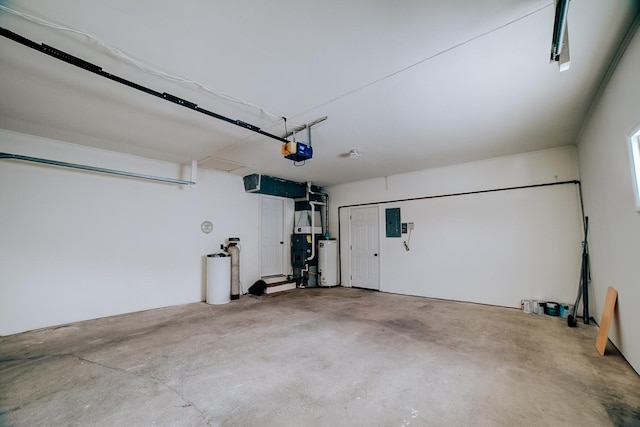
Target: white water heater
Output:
[{"x": 328, "y": 262}]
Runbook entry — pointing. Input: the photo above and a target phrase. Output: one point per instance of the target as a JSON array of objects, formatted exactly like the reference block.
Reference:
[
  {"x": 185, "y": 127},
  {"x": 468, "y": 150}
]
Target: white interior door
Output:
[
  {"x": 272, "y": 236},
  {"x": 365, "y": 246}
]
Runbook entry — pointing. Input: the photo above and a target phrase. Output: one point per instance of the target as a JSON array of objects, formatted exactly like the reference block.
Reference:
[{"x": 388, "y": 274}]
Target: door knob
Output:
[{"x": 375, "y": 254}]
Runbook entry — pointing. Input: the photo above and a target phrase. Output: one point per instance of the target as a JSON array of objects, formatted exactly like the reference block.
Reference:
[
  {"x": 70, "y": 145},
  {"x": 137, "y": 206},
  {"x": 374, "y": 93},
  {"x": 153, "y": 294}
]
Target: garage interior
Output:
[{"x": 241, "y": 213}]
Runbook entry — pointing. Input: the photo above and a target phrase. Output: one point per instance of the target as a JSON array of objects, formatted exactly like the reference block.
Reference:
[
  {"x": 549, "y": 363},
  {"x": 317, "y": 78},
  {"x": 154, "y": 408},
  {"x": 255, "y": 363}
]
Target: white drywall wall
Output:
[
  {"x": 493, "y": 248},
  {"x": 78, "y": 245},
  {"x": 605, "y": 166}
]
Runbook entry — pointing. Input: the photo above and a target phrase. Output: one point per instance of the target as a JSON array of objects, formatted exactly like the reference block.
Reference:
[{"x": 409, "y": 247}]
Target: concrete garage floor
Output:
[{"x": 317, "y": 357}]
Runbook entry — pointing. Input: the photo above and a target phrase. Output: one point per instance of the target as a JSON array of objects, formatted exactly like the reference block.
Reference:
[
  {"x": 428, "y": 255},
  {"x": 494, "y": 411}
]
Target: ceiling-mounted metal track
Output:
[{"x": 95, "y": 69}]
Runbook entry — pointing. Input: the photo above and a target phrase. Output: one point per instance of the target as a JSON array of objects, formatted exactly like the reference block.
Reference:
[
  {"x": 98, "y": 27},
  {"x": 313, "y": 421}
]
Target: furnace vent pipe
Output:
[
  {"x": 313, "y": 224},
  {"x": 326, "y": 203}
]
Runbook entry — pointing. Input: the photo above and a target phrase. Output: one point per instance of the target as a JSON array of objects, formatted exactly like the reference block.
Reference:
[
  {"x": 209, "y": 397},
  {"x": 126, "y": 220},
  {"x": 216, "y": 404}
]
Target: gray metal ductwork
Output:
[{"x": 272, "y": 186}]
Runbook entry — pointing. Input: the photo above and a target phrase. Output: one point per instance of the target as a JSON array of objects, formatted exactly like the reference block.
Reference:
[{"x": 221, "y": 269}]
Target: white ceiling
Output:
[{"x": 411, "y": 84}]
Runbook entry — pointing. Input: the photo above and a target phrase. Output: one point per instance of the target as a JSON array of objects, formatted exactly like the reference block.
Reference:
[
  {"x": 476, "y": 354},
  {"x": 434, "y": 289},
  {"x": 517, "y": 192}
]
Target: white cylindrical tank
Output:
[
  {"x": 218, "y": 279},
  {"x": 328, "y": 262}
]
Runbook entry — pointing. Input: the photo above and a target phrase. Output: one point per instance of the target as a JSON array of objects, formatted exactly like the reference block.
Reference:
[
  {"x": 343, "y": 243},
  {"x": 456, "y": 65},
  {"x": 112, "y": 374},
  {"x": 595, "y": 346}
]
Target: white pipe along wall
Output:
[{"x": 80, "y": 245}]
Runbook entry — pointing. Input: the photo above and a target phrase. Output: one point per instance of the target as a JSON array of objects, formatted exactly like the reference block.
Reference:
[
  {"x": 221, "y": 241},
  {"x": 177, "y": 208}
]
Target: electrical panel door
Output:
[{"x": 392, "y": 220}]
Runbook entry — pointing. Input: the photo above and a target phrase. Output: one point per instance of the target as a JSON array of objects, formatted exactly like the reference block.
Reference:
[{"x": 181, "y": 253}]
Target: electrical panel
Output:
[{"x": 392, "y": 221}]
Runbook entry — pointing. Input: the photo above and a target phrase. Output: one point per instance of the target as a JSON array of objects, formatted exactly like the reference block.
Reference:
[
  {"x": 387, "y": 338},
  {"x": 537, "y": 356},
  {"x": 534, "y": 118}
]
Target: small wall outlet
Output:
[{"x": 412, "y": 226}]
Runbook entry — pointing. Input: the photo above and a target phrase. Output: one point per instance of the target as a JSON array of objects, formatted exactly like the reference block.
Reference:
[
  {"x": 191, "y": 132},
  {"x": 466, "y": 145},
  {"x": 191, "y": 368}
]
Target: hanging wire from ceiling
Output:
[
  {"x": 149, "y": 69},
  {"x": 429, "y": 58},
  {"x": 137, "y": 63}
]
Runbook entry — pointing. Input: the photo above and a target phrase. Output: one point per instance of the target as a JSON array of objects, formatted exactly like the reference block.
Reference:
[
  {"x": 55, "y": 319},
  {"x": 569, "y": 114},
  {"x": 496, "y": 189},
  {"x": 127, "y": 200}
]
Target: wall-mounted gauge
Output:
[{"x": 206, "y": 227}]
